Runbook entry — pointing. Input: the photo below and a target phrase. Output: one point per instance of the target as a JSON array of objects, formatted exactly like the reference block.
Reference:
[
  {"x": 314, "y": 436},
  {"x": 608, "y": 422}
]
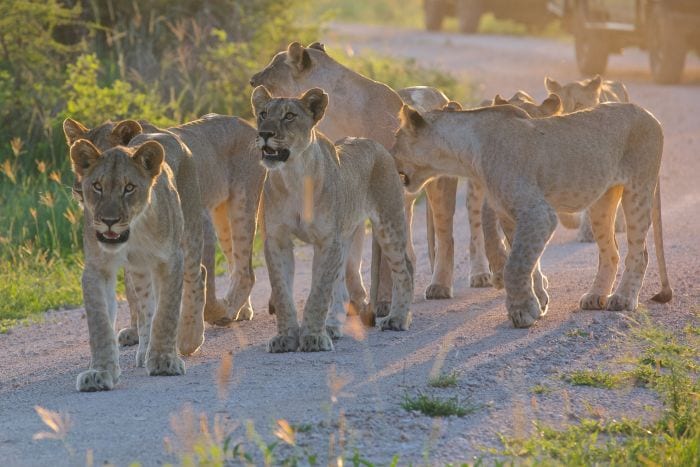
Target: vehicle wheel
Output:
[
  {"x": 434, "y": 14},
  {"x": 469, "y": 13},
  {"x": 667, "y": 49},
  {"x": 591, "y": 48}
]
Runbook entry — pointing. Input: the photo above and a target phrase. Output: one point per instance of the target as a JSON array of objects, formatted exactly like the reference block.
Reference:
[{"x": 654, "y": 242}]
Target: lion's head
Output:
[
  {"x": 105, "y": 136},
  {"x": 116, "y": 186},
  {"x": 578, "y": 95},
  {"x": 292, "y": 70},
  {"x": 285, "y": 125},
  {"x": 414, "y": 146}
]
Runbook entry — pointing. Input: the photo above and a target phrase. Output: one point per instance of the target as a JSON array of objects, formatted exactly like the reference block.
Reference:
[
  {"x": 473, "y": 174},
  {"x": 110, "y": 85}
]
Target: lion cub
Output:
[
  {"x": 532, "y": 169},
  {"x": 133, "y": 217},
  {"x": 322, "y": 193}
]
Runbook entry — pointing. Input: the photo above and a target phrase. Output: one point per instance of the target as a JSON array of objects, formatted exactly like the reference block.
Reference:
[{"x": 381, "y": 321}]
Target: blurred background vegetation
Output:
[{"x": 97, "y": 60}]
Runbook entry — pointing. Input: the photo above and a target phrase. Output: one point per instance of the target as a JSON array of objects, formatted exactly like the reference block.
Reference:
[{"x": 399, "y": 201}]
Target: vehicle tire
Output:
[
  {"x": 468, "y": 14},
  {"x": 434, "y": 14},
  {"x": 667, "y": 49},
  {"x": 591, "y": 49}
]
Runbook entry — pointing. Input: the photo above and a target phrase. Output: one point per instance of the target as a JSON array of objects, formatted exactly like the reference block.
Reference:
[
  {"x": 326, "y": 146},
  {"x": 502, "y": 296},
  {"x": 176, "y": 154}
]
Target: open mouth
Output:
[
  {"x": 113, "y": 237},
  {"x": 276, "y": 155}
]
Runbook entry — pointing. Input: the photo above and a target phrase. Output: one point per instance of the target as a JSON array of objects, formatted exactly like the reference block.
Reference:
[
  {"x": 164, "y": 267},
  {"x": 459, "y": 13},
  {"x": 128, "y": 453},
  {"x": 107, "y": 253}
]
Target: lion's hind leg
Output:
[
  {"x": 637, "y": 207},
  {"x": 391, "y": 236},
  {"x": 602, "y": 214}
]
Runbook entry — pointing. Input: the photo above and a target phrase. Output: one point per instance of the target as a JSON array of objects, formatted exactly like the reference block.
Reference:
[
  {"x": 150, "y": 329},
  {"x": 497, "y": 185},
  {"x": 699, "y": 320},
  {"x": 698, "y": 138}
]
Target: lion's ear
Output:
[
  {"x": 452, "y": 106},
  {"x": 125, "y": 131},
  {"x": 499, "y": 100},
  {"x": 317, "y": 46},
  {"x": 551, "y": 105},
  {"x": 259, "y": 99},
  {"x": 316, "y": 100},
  {"x": 411, "y": 119},
  {"x": 83, "y": 154},
  {"x": 298, "y": 56},
  {"x": 150, "y": 157},
  {"x": 74, "y": 131},
  {"x": 551, "y": 85},
  {"x": 594, "y": 83}
]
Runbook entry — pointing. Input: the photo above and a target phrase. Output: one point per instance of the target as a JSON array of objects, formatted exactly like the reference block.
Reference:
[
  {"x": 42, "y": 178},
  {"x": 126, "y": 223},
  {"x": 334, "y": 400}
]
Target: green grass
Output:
[
  {"x": 576, "y": 332},
  {"x": 593, "y": 378},
  {"x": 435, "y": 407},
  {"x": 667, "y": 365},
  {"x": 448, "y": 380},
  {"x": 541, "y": 389}
]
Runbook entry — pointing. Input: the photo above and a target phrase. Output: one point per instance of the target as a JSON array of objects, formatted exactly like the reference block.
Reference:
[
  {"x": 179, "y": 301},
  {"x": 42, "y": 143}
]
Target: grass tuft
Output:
[
  {"x": 448, "y": 380},
  {"x": 434, "y": 407},
  {"x": 593, "y": 378},
  {"x": 541, "y": 389}
]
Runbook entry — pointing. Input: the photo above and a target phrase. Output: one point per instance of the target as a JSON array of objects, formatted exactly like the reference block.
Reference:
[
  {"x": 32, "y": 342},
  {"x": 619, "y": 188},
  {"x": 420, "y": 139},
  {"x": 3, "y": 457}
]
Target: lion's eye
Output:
[
  {"x": 263, "y": 115},
  {"x": 97, "y": 187},
  {"x": 129, "y": 188},
  {"x": 289, "y": 116}
]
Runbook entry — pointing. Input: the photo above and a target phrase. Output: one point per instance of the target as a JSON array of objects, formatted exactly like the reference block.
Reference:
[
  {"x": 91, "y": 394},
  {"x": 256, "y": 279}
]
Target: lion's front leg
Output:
[
  {"x": 104, "y": 369},
  {"x": 162, "y": 357},
  {"x": 279, "y": 256},
  {"x": 326, "y": 270},
  {"x": 536, "y": 222}
]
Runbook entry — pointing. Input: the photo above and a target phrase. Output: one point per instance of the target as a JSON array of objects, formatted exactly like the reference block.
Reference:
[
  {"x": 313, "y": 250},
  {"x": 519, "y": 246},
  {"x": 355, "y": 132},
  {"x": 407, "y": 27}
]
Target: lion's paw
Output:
[
  {"x": 617, "y": 302},
  {"x": 96, "y": 380},
  {"x": 315, "y": 343},
  {"x": 395, "y": 323},
  {"x": 382, "y": 308},
  {"x": 437, "y": 292},
  {"x": 524, "y": 314},
  {"x": 480, "y": 280},
  {"x": 244, "y": 314},
  {"x": 592, "y": 301},
  {"x": 165, "y": 364},
  {"x": 128, "y": 337},
  {"x": 214, "y": 311},
  {"x": 497, "y": 280},
  {"x": 190, "y": 340},
  {"x": 334, "y": 332},
  {"x": 280, "y": 344}
]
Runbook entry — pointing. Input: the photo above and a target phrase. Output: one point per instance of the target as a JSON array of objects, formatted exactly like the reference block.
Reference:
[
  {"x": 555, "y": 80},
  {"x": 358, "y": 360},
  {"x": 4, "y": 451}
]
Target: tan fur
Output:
[
  {"x": 580, "y": 95},
  {"x": 532, "y": 168},
  {"x": 322, "y": 194},
  {"x": 130, "y": 192},
  {"x": 373, "y": 108},
  {"x": 227, "y": 163}
]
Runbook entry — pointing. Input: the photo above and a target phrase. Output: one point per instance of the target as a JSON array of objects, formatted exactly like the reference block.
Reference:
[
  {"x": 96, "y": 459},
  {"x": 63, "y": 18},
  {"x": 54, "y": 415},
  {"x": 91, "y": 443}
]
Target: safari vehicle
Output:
[
  {"x": 531, "y": 12},
  {"x": 666, "y": 28}
]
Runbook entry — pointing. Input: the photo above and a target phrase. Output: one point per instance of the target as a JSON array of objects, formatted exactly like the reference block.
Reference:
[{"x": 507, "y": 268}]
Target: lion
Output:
[
  {"x": 533, "y": 168},
  {"x": 224, "y": 153},
  {"x": 133, "y": 217},
  {"x": 362, "y": 107},
  {"x": 322, "y": 194}
]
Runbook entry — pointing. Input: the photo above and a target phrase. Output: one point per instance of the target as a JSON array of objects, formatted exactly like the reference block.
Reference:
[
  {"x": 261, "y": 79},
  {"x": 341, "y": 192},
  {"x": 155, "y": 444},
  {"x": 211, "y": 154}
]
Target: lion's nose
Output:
[
  {"x": 265, "y": 135},
  {"x": 109, "y": 221}
]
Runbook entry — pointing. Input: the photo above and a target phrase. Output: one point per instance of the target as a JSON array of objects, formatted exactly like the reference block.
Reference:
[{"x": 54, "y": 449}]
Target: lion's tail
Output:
[{"x": 666, "y": 292}]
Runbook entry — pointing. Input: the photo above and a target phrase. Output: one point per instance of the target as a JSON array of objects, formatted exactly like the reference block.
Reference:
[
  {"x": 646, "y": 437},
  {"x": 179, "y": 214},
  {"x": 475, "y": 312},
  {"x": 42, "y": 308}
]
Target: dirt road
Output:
[{"x": 351, "y": 398}]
